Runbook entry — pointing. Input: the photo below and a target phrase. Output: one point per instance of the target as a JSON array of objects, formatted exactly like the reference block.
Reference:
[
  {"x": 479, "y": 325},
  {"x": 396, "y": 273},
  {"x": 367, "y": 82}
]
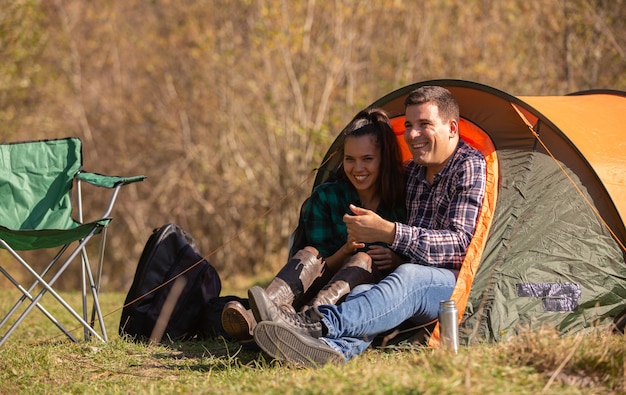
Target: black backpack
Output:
[{"x": 172, "y": 289}]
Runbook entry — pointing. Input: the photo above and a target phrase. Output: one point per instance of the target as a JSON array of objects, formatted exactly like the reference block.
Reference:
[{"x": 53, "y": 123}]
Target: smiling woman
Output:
[{"x": 329, "y": 264}]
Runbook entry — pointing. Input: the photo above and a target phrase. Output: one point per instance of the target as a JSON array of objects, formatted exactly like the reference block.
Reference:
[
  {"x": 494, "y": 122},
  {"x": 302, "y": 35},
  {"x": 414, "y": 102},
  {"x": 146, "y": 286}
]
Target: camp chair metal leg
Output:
[
  {"x": 35, "y": 302},
  {"x": 96, "y": 306},
  {"x": 33, "y": 285},
  {"x": 26, "y": 294},
  {"x": 48, "y": 288},
  {"x": 79, "y": 199},
  {"x": 88, "y": 280},
  {"x": 83, "y": 288},
  {"x": 95, "y": 287}
]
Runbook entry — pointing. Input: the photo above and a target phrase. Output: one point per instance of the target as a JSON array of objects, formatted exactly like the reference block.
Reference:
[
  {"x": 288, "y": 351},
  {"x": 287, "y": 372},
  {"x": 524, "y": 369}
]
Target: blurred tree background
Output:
[{"x": 229, "y": 106}]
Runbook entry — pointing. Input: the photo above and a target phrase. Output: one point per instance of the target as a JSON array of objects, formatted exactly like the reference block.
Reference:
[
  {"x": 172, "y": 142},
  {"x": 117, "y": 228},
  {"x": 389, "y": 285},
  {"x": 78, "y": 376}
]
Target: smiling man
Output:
[{"x": 445, "y": 190}]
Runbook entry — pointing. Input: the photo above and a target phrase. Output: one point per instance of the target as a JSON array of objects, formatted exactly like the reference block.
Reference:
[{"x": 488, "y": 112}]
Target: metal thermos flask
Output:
[{"x": 448, "y": 325}]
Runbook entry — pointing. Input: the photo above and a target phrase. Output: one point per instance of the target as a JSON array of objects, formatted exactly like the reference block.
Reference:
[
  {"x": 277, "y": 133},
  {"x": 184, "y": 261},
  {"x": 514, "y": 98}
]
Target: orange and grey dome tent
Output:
[{"x": 549, "y": 246}]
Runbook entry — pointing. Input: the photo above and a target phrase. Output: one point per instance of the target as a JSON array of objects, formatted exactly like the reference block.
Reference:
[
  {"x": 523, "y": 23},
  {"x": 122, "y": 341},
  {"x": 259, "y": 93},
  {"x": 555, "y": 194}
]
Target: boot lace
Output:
[{"x": 304, "y": 322}]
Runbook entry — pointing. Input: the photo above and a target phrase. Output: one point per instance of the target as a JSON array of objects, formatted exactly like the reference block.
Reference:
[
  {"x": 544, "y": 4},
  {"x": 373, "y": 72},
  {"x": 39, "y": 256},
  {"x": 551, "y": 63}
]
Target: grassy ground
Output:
[{"x": 36, "y": 360}]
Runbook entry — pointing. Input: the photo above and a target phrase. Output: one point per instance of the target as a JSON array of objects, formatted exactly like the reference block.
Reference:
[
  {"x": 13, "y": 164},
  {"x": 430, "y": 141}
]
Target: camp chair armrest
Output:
[
  {"x": 112, "y": 182},
  {"x": 107, "y": 181}
]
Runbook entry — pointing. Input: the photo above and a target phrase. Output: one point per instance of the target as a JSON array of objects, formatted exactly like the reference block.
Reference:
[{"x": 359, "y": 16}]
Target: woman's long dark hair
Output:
[{"x": 391, "y": 181}]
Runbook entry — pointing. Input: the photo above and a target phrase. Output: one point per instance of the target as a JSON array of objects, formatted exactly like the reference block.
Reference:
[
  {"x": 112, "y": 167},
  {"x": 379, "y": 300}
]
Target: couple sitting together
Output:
[{"x": 385, "y": 242}]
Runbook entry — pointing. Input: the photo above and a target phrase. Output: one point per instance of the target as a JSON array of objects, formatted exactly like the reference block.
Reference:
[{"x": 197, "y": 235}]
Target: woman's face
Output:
[{"x": 361, "y": 162}]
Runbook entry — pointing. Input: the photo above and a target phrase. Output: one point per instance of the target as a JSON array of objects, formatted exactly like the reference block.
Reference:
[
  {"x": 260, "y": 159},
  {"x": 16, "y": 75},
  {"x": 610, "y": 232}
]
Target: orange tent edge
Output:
[{"x": 477, "y": 138}]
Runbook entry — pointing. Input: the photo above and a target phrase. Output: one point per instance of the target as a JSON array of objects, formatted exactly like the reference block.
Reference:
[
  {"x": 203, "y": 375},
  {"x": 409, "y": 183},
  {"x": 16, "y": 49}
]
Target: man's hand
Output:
[
  {"x": 368, "y": 227},
  {"x": 384, "y": 258}
]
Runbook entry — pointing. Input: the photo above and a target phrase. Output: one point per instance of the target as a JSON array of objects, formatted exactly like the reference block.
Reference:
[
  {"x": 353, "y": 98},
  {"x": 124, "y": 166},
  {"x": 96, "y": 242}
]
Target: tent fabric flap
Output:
[{"x": 545, "y": 234}]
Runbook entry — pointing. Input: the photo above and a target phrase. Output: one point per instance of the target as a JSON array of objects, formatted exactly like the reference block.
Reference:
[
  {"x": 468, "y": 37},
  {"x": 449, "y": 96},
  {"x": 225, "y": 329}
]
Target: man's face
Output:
[{"x": 430, "y": 139}]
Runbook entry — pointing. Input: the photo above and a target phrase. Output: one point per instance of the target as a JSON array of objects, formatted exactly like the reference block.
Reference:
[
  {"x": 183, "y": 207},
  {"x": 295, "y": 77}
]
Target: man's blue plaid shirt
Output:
[{"x": 442, "y": 216}]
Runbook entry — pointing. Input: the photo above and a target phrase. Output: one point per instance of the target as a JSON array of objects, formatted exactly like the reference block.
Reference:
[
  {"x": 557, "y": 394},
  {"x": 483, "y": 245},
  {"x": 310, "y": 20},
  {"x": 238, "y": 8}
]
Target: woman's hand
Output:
[
  {"x": 351, "y": 247},
  {"x": 384, "y": 258}
]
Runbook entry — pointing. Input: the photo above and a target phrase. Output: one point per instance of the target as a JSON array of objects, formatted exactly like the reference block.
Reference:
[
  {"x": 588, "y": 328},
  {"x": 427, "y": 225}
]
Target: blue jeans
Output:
[{"x": 412, "y": 292}]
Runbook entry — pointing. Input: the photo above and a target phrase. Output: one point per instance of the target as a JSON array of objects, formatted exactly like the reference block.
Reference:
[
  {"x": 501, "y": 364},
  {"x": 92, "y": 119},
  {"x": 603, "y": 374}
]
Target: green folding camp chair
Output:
[{"x": 36, "y": 181}]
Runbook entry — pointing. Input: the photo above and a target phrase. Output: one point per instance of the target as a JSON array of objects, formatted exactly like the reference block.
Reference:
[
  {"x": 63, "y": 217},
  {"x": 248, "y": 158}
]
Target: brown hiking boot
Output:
[
  {"x": 358, "y": 269},
  {"x": 287, "y": 288},
  {"x": 237, "y": 321},
  {"x": 295, "y": 278},
  {"x": 283, "y": 342}
]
